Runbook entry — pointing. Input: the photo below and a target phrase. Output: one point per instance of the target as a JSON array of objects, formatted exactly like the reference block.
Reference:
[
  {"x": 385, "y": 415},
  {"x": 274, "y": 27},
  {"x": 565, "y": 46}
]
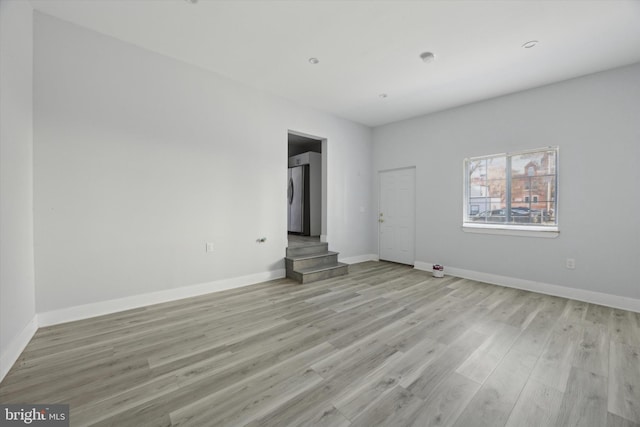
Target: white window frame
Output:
[{"x": 511, "y": 229}]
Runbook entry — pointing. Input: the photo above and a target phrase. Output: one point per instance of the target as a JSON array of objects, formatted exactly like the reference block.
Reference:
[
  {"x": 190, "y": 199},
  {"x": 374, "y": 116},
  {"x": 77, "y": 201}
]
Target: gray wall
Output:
[
  {"x": 596, "y": 122},
  {"x": 17, "y": 301},
  {"x": 141, "y": 159}
]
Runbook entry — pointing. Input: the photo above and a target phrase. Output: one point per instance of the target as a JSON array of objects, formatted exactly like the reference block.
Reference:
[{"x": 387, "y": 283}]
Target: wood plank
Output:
[
  {"x": 327, "y": 416},
  {"x": 592, "y": 353},
  {"x": 444, "y": 365},
  {"x": 624, "y": 377},
  {"x": 357, "y": 332},
  {"x": 575, "y": 311},
  {"x": 364, "y": 391},
  {"x": 622, "y": 328},
  {"x": 484, "y": 360},
  {"x": 530, "y": 306},
  {"x": 585, "y": 402},
  {"x": 509, "y": 306},
  {"x": 537, "y": 406},
  {"x": 534, "y": 336},
  {"x": 402, "y": 369},
  {"x": 248, "y": 400},
  {"x": 445, "y": 404},
  {"x": 614, "y": 420},
  {"x": 492, "y": 404},
  {"x": 598, "y": 314},
  {"x": 554, "y": 364},
  {"x": 398, "y": 403}
]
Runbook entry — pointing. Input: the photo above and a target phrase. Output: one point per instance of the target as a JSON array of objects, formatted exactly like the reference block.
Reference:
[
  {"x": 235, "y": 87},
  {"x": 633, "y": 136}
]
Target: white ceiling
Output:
[{"x": 367, "y": 48}]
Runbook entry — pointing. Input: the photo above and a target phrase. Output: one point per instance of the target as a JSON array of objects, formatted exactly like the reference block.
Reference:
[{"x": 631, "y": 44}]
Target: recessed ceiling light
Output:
[
  {"x": 313, "y": 61},
  {"x": 191, "y": 1},
  {"x": 530, "y": 44},
  {"x": 427, "y": 56},
  {"x": 383, "y": 95}
]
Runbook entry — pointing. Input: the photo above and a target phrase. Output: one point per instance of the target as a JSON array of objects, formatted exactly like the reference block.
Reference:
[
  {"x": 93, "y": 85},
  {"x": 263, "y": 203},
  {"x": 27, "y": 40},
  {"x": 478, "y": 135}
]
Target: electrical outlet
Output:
[
  {"x": 571, "y": 263},
  {"x": 209, "y": 247}
]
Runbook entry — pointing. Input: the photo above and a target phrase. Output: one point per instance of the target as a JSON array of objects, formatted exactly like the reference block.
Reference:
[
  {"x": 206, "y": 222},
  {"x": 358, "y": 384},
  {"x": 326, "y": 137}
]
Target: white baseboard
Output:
[
  {"x": 86, "y": 311},
  {"x": 601, "y": 298},
  {"x": 359, "y": 258},
  {"x": 11, "y": 354}
]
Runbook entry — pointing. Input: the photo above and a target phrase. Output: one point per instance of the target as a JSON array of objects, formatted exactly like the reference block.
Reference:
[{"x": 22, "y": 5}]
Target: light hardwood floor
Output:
[{"x": 386, "y": 345}]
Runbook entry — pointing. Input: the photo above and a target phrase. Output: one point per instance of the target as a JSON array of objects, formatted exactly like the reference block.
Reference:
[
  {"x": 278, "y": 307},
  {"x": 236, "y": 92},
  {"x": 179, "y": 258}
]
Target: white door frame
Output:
[
  {"x": 379, "y": 190},
  {"x": 323, "y": 208}
]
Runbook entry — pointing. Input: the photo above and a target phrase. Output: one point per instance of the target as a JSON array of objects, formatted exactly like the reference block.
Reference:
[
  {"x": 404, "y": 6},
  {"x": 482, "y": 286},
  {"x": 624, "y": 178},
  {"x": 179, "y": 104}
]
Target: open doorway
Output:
[{"x": 306, "y": 188}]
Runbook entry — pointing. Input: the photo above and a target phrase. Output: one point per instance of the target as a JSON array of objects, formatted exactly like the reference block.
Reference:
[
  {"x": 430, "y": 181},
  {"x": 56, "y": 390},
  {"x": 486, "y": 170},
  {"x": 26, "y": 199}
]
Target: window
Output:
[{"x": 516, "y": 191}]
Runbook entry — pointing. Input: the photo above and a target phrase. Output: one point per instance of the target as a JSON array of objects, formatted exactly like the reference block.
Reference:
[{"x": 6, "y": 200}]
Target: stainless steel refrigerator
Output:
[{"x": 298, "y": 207}]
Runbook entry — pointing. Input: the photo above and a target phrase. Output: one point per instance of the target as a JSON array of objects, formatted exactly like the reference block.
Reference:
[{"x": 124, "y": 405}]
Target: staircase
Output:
[{"x": 312, "y": 262}]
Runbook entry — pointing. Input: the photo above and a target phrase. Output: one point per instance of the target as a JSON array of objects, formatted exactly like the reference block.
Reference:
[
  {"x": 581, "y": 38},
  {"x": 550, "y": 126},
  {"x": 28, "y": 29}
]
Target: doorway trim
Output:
[{"x": 324, "y": 172}]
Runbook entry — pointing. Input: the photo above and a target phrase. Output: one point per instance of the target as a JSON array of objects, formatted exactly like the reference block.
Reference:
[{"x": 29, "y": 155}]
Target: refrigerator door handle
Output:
[{"x": 290, "y": 190}]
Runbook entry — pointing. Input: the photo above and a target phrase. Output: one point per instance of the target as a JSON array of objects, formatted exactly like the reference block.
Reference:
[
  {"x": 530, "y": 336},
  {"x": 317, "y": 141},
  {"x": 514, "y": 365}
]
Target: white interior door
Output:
[{"x": 396, "y": 216}]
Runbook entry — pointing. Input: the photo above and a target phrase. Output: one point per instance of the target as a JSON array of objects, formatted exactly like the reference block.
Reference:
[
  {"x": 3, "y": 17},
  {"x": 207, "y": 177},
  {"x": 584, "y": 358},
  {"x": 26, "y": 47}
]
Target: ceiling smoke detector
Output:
[
  {"x": 530, "y": 44},
  {"x": 383, "y": 95},
  {"x": 314, "y": 61},
  {"x": 191, "y": 1},
  {"x": 427, "y": 57}
]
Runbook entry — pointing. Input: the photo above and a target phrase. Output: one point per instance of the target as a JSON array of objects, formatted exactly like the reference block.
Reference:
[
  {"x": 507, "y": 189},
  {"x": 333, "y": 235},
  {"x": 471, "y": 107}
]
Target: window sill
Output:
[{"x": 530, "y": 231}]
